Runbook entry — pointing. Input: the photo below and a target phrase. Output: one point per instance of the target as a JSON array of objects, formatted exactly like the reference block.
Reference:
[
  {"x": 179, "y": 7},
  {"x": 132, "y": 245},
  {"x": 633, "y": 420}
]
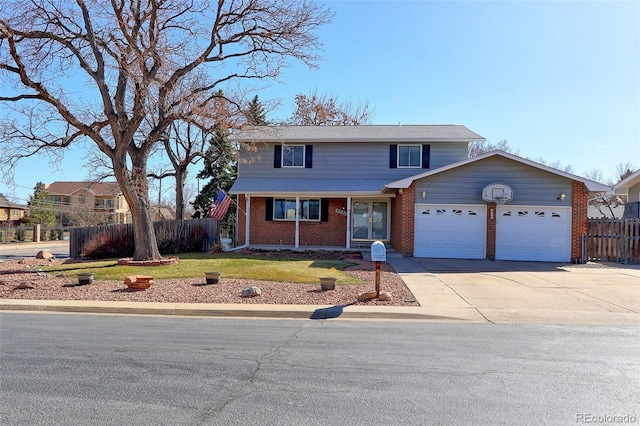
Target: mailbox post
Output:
[{"x": 378, "y": 254}]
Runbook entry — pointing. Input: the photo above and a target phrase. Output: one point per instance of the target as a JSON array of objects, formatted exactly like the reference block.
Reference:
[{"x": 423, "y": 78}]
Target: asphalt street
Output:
[{"x": 77, "y": 369}]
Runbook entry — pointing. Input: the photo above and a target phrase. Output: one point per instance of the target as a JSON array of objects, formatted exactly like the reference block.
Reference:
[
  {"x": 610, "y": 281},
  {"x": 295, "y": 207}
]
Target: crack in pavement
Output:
[{"x": 248, "y": 386}]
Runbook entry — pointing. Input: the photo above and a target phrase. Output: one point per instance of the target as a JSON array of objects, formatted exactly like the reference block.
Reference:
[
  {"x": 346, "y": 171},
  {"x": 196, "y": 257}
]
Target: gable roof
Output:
[
  {"x": 626, "y": 183},
  {"x": 590, "y": 184},
  {"x": 97, "y": 188},
  {"x": 365, "y": 133},
  {"x": 6, "y": 204}
]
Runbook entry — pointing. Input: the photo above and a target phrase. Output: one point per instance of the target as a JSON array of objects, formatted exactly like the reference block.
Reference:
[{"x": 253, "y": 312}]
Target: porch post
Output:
[
  {"x": 297, "y": 234},
  {"x": 348, "y": 222}
]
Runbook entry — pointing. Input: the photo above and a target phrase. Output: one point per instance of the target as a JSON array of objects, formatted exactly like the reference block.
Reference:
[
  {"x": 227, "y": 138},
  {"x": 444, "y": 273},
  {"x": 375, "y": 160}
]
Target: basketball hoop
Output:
[{"x": 501, "y": 200}]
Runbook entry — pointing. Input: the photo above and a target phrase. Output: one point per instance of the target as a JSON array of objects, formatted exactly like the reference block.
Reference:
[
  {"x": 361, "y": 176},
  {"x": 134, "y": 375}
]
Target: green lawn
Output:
[{"x": 194, "y": 265}]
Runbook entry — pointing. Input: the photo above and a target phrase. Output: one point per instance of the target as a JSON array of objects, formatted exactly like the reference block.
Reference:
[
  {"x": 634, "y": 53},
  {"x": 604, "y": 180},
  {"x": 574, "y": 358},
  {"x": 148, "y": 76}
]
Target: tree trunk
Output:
[
  {"x": 135, "y": 189},
  {"x": 181, "y": 178}
]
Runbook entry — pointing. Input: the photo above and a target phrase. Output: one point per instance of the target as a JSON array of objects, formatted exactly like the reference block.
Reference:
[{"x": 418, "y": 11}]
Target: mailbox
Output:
[{"x": 378, "y": 252}]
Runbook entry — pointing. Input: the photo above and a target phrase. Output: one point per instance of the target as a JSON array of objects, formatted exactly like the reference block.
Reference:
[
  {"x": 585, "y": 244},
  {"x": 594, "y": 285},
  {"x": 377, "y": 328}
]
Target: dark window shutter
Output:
[
  {"x": 308, "y": 156},
  {"x": 426, "y": 153},
  {"x": 277, "y": 156},
  {"x": 268, "y": 208},
  {"x": 393, "y": 156},
  {"x": 324, "y": 209}
]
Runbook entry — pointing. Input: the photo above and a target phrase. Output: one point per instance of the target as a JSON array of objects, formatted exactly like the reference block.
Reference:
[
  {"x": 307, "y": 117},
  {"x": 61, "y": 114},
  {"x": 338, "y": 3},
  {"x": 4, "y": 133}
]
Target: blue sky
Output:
[{"x": 559, "y": 80}]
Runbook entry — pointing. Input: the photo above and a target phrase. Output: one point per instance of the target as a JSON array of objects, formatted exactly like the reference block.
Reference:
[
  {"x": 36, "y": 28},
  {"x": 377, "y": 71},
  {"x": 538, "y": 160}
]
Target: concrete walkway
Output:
[{"x": 448, "y": 290}]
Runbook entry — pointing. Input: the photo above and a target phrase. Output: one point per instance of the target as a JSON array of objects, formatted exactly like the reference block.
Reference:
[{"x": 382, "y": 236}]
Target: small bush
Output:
[{"x": 108, "y": 245}]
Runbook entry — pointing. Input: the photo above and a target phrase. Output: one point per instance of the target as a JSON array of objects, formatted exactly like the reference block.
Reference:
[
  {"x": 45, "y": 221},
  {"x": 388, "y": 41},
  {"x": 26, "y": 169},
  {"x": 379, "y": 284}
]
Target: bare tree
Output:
[
  {"x": 321, "y": 110},
  {"x": 477, "y": 148},
  {"x": 139, "y": 67}
]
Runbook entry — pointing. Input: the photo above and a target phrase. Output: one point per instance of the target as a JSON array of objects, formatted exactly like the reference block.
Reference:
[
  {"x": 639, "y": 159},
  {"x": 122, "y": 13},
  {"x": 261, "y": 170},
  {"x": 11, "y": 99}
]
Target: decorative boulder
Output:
[
  {"x": 43, "y": 254},
  {"x": 385, "y": 296},
  {"x": 363, "y": 297},
  {"x": 251, "y": 292},
  {"x": 25, "y": 286}
]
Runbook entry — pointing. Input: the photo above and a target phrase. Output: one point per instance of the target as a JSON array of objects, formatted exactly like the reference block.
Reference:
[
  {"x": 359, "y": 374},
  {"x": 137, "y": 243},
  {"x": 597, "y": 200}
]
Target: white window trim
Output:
[
  {"x": 298, "y": 204},
  {"x": 304, "y": 155},
  {"x": 419, "y": 166}
]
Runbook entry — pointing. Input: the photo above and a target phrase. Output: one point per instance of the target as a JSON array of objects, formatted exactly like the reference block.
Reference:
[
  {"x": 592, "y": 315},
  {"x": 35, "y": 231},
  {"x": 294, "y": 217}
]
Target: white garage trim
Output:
[
  {"x": 538, "y": 233},
  {"x": 450, "y": 231}
]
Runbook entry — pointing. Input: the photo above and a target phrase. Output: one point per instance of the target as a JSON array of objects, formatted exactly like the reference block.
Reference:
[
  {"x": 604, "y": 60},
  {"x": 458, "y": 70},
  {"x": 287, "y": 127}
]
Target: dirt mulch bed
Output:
[{"x": 23, "y": 280}]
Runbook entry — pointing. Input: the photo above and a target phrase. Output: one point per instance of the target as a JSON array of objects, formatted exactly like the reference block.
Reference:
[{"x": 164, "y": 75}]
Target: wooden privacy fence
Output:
[
  {"x": 173, "y": 236},
  {"x": 612, "y": 240}
]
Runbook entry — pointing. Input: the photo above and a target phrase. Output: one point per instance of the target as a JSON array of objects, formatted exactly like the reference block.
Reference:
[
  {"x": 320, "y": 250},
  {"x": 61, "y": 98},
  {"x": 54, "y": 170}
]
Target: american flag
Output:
[{"x": 219, "y": 205}]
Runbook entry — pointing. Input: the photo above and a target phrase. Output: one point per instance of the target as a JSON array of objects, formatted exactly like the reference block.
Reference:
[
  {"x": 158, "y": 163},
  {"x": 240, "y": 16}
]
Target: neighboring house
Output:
[
  {"x": 89, "y": 202},
  {"x": 630, "y": 186},
  {"x": 10, "y": 212},
  {"x": 161, "y": 213},
  {"x": 412, "y": 187}
]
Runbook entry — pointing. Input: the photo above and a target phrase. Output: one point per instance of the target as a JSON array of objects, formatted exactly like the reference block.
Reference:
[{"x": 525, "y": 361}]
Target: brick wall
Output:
[
  {"x": 579, "y": 203},
  {"x": 402, "y": 220},
  {"x": 491, "y": 230},
  {"x": 331, "y": 234}
]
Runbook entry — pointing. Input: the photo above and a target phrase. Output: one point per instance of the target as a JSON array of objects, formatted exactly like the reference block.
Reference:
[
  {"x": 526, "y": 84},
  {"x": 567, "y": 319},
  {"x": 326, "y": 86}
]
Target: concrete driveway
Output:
[{"x": 525, "y": 292}]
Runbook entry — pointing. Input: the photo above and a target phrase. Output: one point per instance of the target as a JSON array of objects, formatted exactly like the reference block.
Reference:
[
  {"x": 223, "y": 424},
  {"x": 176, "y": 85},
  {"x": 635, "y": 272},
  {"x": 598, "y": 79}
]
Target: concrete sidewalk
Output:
[{"x": 448, "y": 290}]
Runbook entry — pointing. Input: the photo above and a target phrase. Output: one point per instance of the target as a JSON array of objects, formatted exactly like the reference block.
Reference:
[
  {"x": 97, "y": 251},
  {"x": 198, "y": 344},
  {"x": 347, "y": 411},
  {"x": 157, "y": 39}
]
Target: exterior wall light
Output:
[
  {"x": 562, "y": 197},
  {"x": 424, "y": 194}
]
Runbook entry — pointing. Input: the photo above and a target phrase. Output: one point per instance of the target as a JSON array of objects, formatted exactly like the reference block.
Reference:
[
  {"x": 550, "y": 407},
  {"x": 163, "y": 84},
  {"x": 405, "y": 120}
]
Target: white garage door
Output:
[
  {"x": 450, "y": 231},
  {"x": 533, "y": 233}
]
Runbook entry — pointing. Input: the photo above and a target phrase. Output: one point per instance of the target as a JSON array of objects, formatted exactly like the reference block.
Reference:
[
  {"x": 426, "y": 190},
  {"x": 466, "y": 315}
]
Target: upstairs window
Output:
[
  {"x": 293, "y": 156},
  {"x": 409, "y": 156}
]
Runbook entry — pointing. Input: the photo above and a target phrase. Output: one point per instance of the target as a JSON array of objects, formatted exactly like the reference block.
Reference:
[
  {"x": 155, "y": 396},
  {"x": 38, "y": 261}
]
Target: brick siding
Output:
[
  {"x": 579, "y": 203},
  {"x": 491, "y": 230},
  {"x": 403, "y": 220},
  {"x": 330, "y": 234}
]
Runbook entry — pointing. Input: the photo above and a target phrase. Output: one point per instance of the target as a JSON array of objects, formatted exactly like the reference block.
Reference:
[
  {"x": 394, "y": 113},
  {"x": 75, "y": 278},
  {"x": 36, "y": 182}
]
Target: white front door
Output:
[
  {"x": 450, "y": 231},
  {"x": 370, "y": 220},
  {"x": 533, "y": 233}
]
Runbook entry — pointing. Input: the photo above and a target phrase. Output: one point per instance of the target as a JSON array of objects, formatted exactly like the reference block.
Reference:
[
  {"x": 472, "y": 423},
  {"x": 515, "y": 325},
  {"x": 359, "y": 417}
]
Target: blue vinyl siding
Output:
[
  {"x": 345, "y": 161},
  {"x": 463, "y": 185}
]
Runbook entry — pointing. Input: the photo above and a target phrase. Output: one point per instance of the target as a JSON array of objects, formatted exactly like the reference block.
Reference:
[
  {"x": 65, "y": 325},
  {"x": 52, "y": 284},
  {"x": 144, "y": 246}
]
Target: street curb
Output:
[{"x": 235, "y": 311}]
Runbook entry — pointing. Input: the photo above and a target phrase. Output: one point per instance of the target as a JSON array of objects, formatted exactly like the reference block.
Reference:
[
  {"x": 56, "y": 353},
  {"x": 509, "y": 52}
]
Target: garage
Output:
[
  {"x": 450, "y": 231},
  {"x": 533, "y": 233}
]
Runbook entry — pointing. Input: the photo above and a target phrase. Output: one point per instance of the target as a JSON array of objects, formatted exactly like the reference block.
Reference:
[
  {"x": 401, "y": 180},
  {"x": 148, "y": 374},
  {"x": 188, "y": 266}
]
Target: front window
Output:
[
  {"x": 286, "y": 209},
  {"x": 293, "y": 156},
  {"x": 409, "y": 156}
]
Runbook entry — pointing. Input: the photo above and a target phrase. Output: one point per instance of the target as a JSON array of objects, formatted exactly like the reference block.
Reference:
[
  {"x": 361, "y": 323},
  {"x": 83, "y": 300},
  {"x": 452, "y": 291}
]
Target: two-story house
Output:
[
  {"x": 11, "y": 212},
  {"x": 96, "y": 198},
  {"x": 411, "y": 186}
]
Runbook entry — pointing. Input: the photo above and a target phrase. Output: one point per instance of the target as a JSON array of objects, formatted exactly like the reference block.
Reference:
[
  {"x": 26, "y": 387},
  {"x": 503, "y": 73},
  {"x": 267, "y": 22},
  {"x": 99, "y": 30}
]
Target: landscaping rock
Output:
[
  {"x": 251, "y": 292},
  {"x": 43, "y": 254},
  {"x": 25, "y": 286},
  {"x": 362, "y": 297},
  {"x": 385, "y": 296}
]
